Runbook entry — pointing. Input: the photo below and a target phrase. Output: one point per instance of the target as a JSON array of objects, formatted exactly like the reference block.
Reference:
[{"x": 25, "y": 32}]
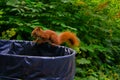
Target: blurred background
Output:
[{"x": 96, "y": 23}]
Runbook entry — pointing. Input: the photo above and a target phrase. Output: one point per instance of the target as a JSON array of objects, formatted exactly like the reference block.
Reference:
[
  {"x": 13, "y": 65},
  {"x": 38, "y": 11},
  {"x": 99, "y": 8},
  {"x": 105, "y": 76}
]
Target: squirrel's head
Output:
[{"x": 36, "y": 32}]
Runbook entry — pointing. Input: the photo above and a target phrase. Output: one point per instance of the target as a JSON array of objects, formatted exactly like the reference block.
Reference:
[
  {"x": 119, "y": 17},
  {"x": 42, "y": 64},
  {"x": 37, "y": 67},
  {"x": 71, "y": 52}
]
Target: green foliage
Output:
[
  {"x": 8, "y": 33},
  {"x": 96, "y": 23},
  {"x": 83, "y": 61}
]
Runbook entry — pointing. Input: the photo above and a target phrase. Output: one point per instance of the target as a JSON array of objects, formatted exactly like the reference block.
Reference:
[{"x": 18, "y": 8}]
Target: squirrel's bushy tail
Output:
[{"x": 69, "y": 37}]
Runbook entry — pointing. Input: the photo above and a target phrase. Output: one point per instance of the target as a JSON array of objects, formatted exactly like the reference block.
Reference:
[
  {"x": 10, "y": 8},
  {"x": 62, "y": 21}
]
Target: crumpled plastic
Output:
[{"x": 27, "y": 60}]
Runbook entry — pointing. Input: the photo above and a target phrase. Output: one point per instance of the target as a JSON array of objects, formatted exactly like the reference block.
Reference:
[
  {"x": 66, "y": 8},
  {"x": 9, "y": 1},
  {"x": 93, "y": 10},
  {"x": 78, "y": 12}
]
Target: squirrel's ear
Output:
[
  {"x": 39, "y": 27},
  {"x": 36, "y": 28}
]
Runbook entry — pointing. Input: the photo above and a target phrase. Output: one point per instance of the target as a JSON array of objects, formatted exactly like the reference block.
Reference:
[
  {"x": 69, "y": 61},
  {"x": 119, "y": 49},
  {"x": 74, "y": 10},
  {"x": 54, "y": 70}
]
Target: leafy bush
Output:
[{"x": 96, "y": 23}]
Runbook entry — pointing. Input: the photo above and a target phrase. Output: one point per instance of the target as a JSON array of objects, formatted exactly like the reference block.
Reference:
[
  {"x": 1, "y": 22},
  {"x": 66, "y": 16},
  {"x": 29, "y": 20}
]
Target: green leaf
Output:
[
  {"x": 1, "y": 12},
  {"x": 12, "y": 2},
  {"x": 19, "y": 37},
  {"x": 83, "y": 61}
]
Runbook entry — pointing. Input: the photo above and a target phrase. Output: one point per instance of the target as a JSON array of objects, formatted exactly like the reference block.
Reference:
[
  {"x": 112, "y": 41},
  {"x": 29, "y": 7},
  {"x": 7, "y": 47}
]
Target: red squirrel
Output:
[{"x": 52, "y": 37}]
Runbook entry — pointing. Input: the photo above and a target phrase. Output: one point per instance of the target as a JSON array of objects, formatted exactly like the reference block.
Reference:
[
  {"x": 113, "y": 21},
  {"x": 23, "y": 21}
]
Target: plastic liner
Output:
[{"x": 26, "y": 60}]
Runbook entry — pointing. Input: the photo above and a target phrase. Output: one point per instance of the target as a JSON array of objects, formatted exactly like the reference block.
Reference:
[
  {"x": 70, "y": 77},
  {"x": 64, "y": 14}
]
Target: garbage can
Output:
[{"x": 27, "y": 60}]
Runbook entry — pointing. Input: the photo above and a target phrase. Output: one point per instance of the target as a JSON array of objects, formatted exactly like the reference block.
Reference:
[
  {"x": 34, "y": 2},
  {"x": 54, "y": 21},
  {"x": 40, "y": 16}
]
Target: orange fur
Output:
[{"x": 52, "y": 37}]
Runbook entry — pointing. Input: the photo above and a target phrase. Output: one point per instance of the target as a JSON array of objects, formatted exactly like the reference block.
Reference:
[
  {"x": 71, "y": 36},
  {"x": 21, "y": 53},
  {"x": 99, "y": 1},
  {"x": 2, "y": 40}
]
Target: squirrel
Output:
[{"x": 52, "y": 37}]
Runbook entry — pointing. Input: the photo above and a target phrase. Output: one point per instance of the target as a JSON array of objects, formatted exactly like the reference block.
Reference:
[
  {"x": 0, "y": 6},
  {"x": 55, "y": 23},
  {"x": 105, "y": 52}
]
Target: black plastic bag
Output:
[{"x": 26, "y": 60}]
